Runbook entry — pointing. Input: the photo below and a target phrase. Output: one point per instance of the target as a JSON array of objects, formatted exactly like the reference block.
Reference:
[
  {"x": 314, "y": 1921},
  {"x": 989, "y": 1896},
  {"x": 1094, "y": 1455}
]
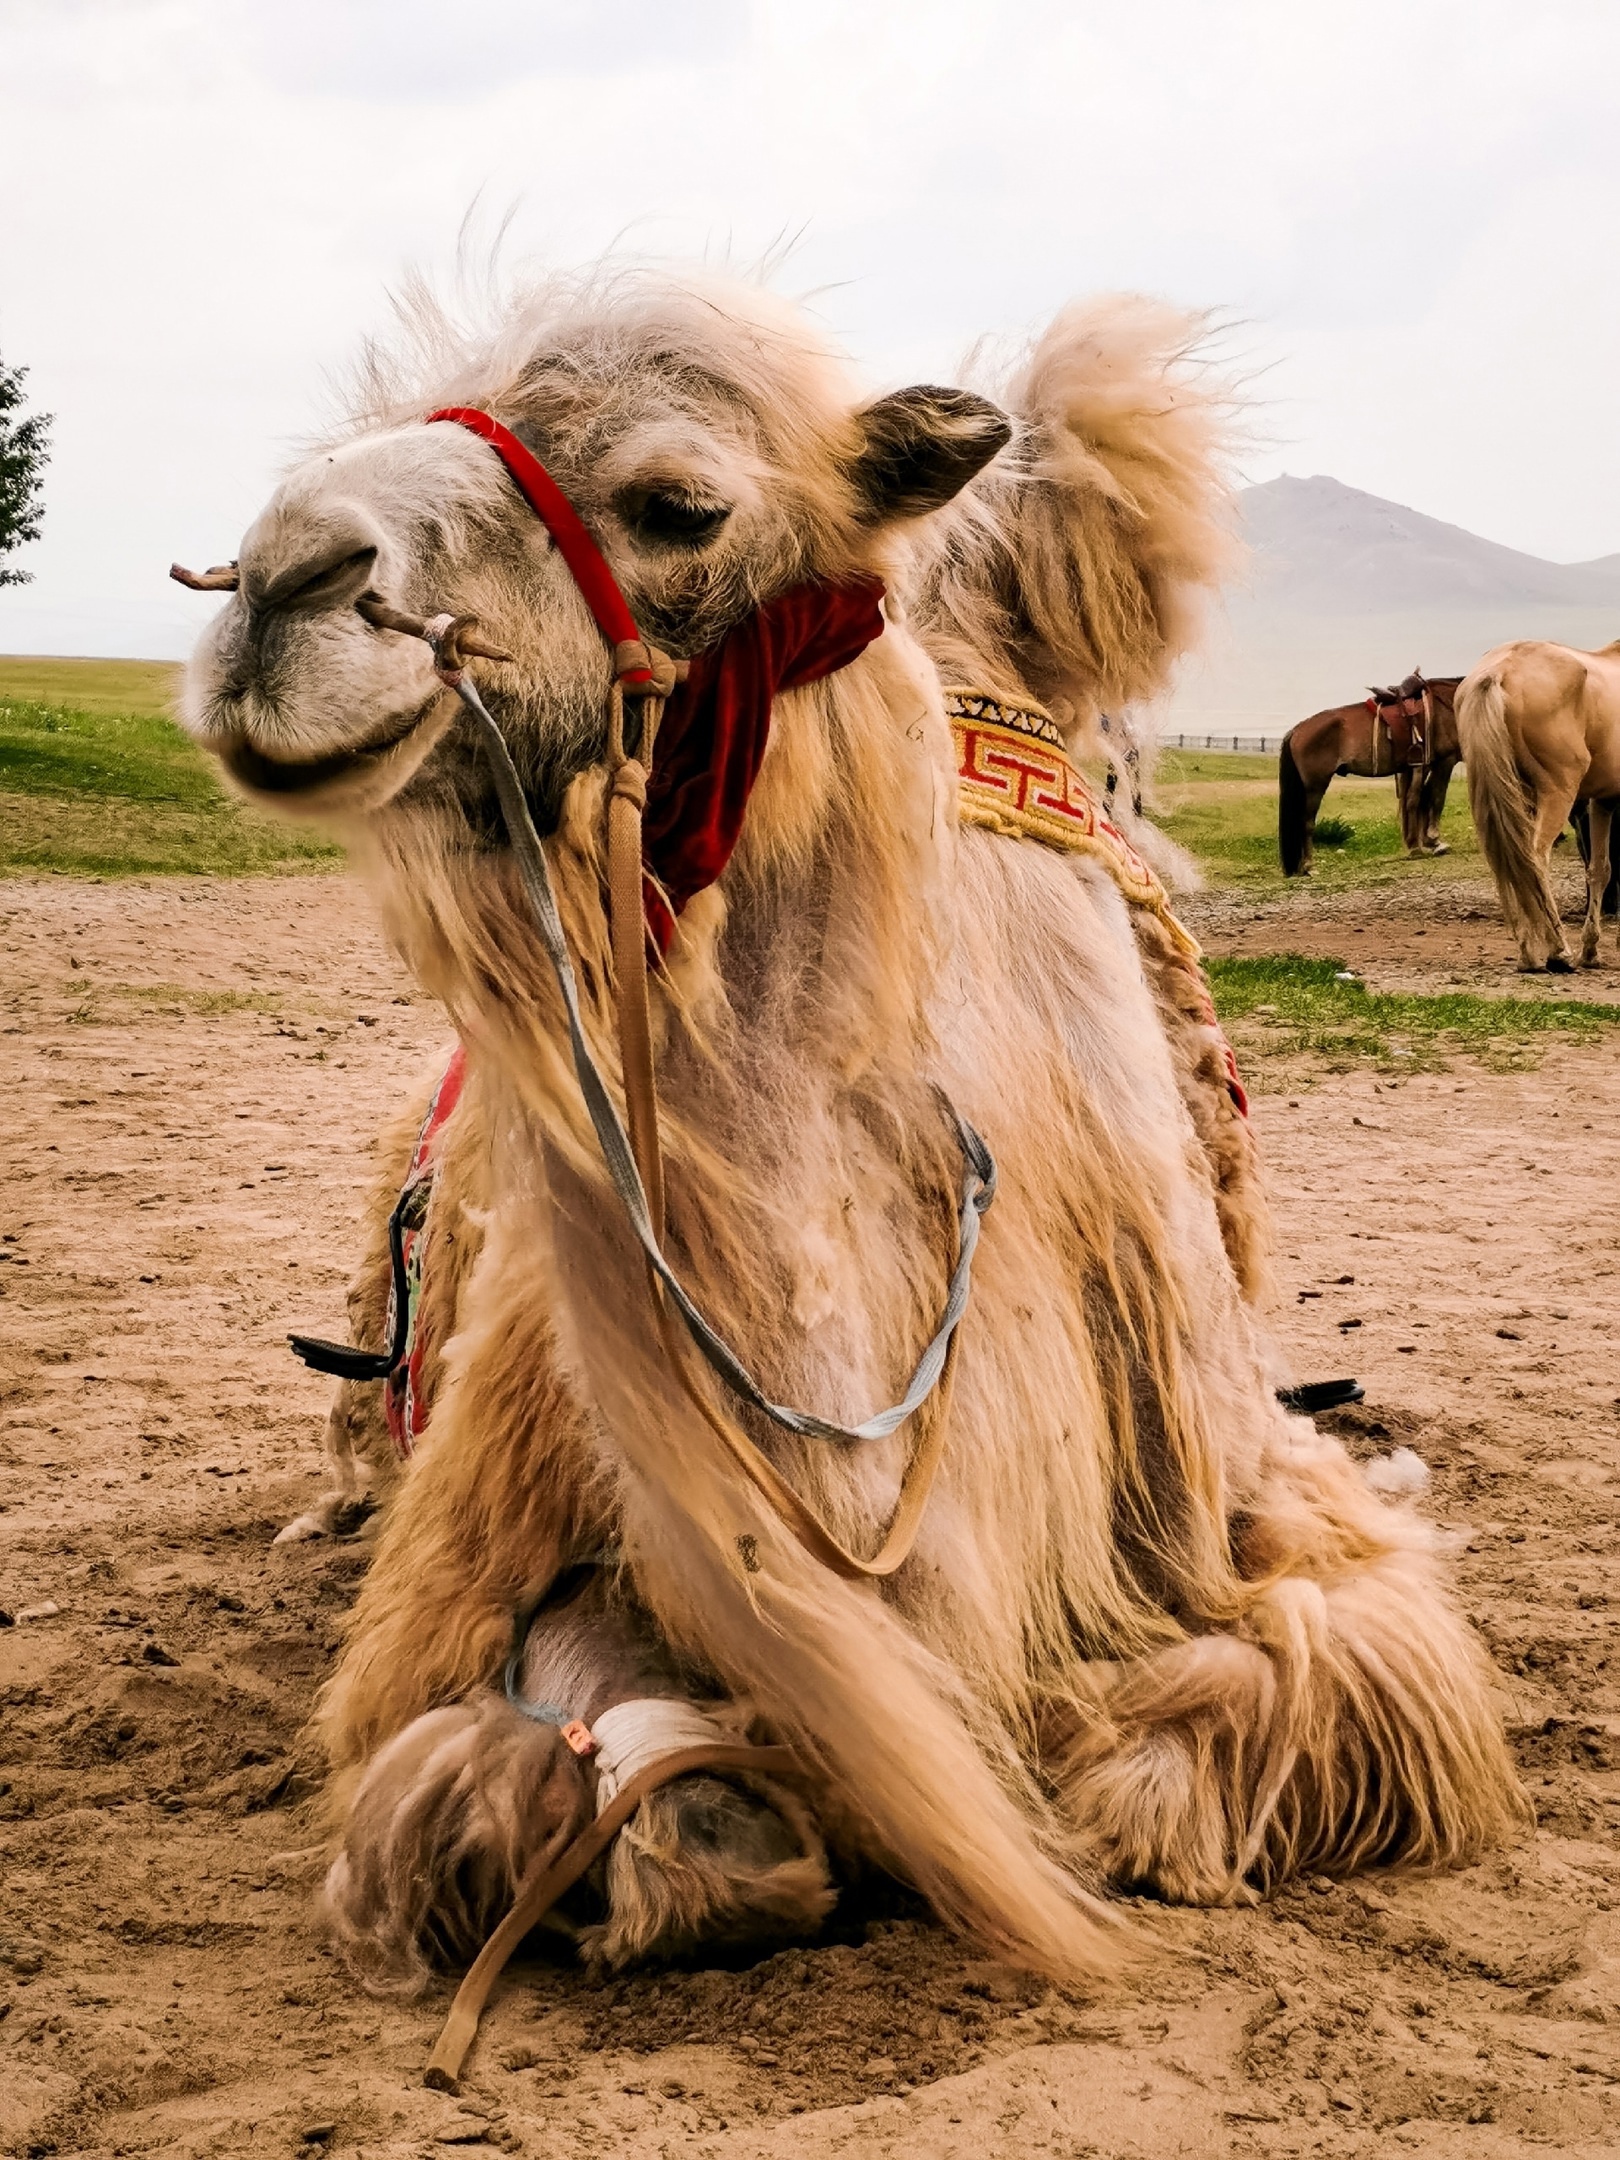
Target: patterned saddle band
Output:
[{"x": 1013, "y": 776}]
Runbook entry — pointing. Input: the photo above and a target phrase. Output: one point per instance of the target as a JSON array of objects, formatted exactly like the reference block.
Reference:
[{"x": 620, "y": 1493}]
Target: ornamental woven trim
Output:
[
  {"x": 1011, "y": 780},
  {"x": 979, "y": 705}
]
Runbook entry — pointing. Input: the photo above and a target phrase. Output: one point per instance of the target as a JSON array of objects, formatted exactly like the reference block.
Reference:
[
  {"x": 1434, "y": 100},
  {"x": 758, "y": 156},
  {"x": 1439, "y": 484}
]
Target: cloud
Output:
[
  {"x": 1407, "y": 203},
  {"x": 417, "y": 51}
]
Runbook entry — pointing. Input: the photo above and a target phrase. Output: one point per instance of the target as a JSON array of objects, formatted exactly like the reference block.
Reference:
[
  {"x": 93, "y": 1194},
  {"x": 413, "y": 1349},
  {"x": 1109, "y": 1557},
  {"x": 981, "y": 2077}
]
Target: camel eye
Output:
[{"x": 669, "y": 520}]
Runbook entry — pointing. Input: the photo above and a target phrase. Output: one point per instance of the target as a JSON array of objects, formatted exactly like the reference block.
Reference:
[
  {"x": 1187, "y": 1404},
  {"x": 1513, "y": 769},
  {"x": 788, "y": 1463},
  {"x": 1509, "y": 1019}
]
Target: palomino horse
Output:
[
  {"x": 1539, "y": 726},
  {"x": 1410, "y": 731},
  {"x": 1085, "y": 1604}
]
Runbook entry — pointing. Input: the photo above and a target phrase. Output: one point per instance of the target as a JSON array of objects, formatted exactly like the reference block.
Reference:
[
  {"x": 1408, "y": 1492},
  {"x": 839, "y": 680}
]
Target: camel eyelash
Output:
[{"x": 674, "y": 520}]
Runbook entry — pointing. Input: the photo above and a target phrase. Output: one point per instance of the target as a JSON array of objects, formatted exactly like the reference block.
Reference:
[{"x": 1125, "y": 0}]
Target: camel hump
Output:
[{"x": 1096, "y": 536}]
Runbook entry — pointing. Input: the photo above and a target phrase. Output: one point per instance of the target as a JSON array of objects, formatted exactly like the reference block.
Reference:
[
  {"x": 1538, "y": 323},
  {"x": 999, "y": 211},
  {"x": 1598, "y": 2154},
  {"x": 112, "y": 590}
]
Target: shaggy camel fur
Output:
[
  {"x": 1153, "y": 1630},
  {"x": 1539, "y": 727}
]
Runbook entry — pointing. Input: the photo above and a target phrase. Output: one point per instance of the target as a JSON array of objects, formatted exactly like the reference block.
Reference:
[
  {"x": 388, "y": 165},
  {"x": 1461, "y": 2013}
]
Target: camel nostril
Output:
[{"x": 335, "y": 582}]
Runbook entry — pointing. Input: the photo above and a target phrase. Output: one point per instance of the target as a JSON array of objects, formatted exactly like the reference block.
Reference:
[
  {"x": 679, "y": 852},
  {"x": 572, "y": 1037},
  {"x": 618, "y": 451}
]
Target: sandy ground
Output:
[{"x": 191, "y": 1073}]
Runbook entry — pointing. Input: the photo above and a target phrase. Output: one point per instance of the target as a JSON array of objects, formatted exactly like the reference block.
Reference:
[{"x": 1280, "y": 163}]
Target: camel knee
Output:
[
  {"x": 1155, "y": 1780},
  {"x": 1344, "y": 1725},
  {"x": 443, "y": 1824}
]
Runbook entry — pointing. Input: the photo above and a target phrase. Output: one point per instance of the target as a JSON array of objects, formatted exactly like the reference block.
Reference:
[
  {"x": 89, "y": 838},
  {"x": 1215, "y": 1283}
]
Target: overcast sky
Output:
[{"x": 1411, "y": 205}]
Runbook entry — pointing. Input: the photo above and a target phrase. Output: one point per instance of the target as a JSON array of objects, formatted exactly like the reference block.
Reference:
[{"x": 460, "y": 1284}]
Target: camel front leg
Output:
[
  {"x": 1600, "y": 820},
  {"x": 453, "y": 1811},
  {"x": 1343, "y": 1720},
  {"x": 507, "y": 1485}
]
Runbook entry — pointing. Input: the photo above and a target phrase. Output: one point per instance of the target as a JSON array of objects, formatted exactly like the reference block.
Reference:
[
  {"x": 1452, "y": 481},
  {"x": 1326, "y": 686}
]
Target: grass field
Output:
[
  {"x": 1223, "y": 809},
  {"x": 1318, "y": 1010},
  {"x": 95, "y": 778},
  {"x": 145, "y": 688}
]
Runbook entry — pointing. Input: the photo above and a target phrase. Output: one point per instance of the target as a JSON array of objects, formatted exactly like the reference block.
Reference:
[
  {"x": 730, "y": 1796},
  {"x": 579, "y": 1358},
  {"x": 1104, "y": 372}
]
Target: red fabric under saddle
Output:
[
  {"x": 1405, "y": 730},
  {"x": 716, "y": 725}
]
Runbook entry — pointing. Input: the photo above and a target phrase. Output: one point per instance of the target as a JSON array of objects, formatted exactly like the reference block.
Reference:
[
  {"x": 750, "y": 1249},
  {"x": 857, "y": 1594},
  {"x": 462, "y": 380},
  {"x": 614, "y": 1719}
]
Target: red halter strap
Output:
[{"x": 574, "y": 544}]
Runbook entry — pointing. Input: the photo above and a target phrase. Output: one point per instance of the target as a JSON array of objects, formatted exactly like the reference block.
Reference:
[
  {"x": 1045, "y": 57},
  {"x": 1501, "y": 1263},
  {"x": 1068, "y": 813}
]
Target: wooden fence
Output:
[{"x": 1256, "y": 745}]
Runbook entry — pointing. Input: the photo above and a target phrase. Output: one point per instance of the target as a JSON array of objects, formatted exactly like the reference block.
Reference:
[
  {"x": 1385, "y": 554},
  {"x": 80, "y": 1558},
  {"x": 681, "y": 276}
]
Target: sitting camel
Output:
[{"x": 1147, "y": 1628}]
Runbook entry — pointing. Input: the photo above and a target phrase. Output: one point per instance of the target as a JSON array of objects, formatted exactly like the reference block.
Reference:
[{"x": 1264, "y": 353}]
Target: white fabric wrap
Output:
[{"x": 632, "y": 1735}]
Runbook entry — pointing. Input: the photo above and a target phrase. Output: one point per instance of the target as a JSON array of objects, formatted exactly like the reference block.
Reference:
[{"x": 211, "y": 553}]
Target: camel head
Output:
[{"x": 716, "y": 450}]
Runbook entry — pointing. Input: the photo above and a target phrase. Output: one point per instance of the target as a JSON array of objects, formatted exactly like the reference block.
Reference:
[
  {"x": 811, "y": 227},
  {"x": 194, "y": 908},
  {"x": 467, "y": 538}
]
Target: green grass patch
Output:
[
  {"x": 1223, "y": 809},
  {"x": 92, "y": 788},
  {"x": 1291, "y": 1008},
  {"x": 146, "y": 687},
  {"x": 1334, "y": 832},
  {"x": 1175, "y": 767}
]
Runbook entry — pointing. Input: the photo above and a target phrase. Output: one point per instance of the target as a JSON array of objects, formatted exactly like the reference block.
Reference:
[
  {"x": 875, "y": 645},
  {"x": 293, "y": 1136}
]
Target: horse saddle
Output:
[{"x": 1398, "y": 738}]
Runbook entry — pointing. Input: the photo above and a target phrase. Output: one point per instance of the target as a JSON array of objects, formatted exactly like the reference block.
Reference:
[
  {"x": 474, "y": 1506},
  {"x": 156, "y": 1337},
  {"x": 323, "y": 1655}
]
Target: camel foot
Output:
[
  {"x": 445, "y": 1822},
  {"x": 334, "y": 1514},
  {"x": 704, "y": 1861}
]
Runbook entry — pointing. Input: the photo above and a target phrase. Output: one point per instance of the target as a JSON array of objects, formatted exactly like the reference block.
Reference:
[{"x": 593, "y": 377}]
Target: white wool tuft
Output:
[{"x": 1401, "y": 1475}]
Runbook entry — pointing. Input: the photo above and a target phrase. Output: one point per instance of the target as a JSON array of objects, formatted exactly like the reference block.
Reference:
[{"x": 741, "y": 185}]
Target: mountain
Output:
[
  {"x": 1343, "y": 589},
  {"x": 1323, "y": 548}
]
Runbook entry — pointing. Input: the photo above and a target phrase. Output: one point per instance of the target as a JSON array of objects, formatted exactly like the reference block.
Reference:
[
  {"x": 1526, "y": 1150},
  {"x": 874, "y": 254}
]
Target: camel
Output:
[
  {"x": 1539, "y": 726},
  {"x": 1151, "y": 1630}
]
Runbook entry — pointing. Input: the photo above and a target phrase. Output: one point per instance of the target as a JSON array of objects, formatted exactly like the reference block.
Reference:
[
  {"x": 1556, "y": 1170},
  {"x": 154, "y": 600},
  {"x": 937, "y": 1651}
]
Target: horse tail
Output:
[
  {"x": 1081, "y": 557},
  {"x": 1497, "y": 797},
  {"x": 1292, "y": 803}
]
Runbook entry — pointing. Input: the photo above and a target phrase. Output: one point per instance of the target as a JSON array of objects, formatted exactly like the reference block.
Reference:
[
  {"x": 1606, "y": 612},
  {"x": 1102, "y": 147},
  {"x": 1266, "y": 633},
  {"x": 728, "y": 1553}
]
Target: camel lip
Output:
[{"x": 267, "y": 775}]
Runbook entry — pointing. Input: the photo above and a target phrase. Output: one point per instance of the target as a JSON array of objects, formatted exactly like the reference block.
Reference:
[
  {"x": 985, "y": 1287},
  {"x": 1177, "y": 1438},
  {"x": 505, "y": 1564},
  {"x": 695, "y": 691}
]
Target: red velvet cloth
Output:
[{"x": 716, "y": 725}]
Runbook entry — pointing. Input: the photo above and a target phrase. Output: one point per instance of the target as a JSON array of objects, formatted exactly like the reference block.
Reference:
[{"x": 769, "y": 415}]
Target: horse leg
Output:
[
  {"x": 1436, "y": 783},
  {"x": 1600, "y": 822},
  {"x": 1409, "y": 807},
  {"x": 1551, "y": 816},
  {"x": 453, "y": 1811},
  {"x": 1342, "y": 1720}
]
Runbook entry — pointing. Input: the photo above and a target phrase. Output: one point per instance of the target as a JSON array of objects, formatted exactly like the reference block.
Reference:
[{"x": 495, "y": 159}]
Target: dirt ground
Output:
[
  {"x": 191, "y": 1072},
  {"x": 1438, "y": 933}
]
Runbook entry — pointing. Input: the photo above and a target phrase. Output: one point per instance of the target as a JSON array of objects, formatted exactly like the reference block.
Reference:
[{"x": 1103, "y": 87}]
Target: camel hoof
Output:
[
  {"x": 706, "y": 1862},
  {"x": 1440, "y": 848}
]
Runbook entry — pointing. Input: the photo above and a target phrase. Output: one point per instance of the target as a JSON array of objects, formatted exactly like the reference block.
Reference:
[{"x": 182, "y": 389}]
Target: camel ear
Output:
[{"x": 922, "y": 447}]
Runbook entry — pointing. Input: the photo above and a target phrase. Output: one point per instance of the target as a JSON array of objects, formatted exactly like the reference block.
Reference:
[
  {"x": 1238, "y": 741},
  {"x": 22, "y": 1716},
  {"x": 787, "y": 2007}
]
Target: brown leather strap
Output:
[
  {"x": 540, "y": 1890},
  {"x": 627, "y": 930}
]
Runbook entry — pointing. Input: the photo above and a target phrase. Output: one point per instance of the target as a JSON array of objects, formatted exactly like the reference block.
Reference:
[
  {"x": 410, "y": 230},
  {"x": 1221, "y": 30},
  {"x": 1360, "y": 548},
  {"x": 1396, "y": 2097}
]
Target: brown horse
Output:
[{"x": 1410, "y": 731}]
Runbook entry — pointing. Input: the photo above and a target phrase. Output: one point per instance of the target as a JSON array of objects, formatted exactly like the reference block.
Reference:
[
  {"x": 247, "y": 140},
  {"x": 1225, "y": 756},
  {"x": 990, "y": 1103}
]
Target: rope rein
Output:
[
  {"x": 634, "y": 1158},
  {"x": 634, "y": 1161}
]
